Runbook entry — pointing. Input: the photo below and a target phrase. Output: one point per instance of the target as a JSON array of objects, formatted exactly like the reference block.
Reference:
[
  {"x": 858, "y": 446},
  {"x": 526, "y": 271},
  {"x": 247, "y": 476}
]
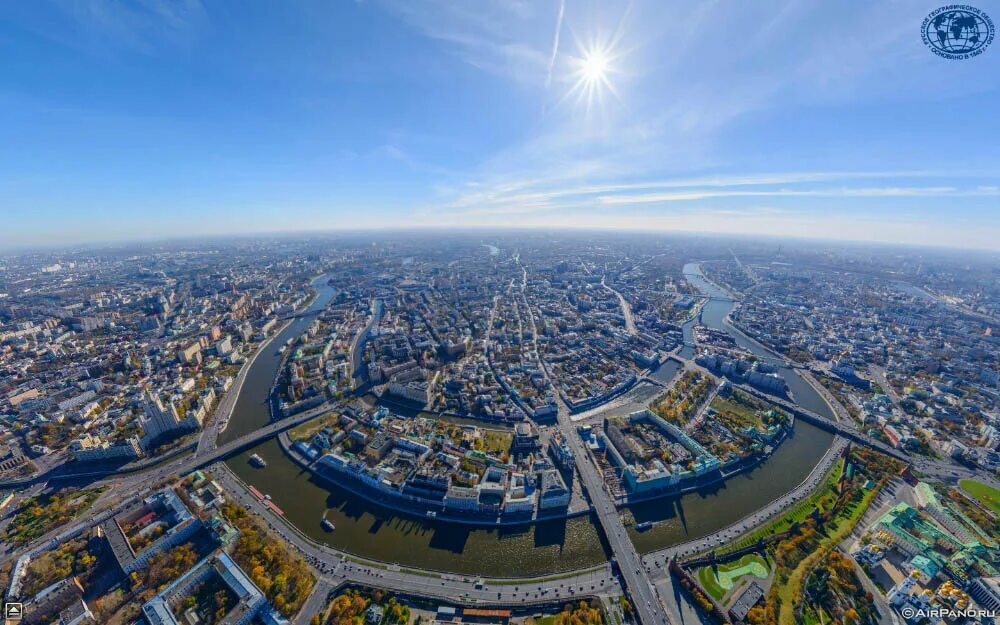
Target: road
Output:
[
  {"x": 361, "y": 337},
  {"x": 932, "y": 468},
  {"x": 338, "y": 567},
  {"x": 626, "y": 309},
  {"x": 223, "y": 412},
  {"x": 657, "y": 560},
  {"x": 644, "y": 597},
  {"x": 317, "y": 599}
]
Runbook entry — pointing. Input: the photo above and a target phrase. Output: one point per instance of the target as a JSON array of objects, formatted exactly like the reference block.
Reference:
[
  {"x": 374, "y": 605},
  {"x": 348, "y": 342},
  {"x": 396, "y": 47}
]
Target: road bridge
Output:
[
  {"x": 189, "y": 464},
  {"x": 300, "y": 315},
  {"x": 637, "y": 583}
]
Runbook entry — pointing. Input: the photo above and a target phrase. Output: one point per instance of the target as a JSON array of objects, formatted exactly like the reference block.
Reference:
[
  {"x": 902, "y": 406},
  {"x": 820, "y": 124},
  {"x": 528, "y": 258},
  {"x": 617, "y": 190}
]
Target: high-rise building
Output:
[{"x": 162, "y": 420}]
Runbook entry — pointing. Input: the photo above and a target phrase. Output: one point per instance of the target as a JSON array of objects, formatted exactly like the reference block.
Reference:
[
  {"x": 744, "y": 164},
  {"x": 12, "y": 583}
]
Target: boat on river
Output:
[
  {"x": 327, "y": 524},
  {"x": 257, "y": 461}
]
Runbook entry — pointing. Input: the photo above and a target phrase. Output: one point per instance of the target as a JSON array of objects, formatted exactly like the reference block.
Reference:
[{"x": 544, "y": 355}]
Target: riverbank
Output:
[
  {"x": 414, "y": 510},
  {"x": 382, "y": 533}
]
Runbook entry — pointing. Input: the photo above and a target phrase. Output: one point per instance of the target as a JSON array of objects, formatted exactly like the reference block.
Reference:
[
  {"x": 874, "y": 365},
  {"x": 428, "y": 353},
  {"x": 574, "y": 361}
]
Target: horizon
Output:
[
  {"x": 485, "y": 231},
  {"x": 166, "y": 119}
]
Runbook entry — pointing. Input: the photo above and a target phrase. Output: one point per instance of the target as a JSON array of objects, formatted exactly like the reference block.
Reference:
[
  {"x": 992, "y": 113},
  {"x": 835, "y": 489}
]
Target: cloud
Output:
[
  {"x": 555, "y": 41},
  {"x": 503, "y": 37},
  {"x": 541, "y": 192},
  {"x": 871, "y": 192}
]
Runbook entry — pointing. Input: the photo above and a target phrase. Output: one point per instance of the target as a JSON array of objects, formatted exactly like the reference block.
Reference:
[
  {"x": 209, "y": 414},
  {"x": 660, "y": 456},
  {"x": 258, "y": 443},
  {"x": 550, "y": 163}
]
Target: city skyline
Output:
[{"x": 165, "y": 120}]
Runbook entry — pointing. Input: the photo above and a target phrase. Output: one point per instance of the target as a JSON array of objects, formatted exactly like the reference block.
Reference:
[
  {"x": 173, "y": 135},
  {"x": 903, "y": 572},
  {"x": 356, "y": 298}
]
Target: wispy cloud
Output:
[
  {"x": 555, "y": 42},
  {"x": 846, "y": 192},
  {"x": 503, "y": 37},
  {"x": 679, "y": 96},
  {"x": 543, "y": 193}
]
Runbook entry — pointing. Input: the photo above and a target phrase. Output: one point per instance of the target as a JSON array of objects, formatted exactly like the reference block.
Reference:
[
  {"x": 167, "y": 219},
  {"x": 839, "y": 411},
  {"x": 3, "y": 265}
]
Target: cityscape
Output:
[
  {"x": 473, "y": 427},
  {"x": 499, "y": 312}
]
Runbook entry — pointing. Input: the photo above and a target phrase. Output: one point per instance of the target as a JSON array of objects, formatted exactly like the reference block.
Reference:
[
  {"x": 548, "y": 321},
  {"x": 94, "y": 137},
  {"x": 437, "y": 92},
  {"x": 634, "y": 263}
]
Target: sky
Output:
[{"x": 168, "y": 118}]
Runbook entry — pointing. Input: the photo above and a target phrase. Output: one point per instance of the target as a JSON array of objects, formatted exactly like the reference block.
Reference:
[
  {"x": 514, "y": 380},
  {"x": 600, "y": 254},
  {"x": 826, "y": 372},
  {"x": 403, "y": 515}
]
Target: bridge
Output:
[
  {"x": 647, "y": 604},
  {"x": 302, "y": 314},
  {"x": 193, "y": 462},
  {"x": 836, "y": 427}
]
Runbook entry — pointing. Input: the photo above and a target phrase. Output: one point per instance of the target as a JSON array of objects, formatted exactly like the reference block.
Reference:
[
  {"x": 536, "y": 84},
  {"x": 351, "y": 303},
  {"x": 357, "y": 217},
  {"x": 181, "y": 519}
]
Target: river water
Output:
[
  {"x": 373, "y": 531},
  {"x": 691, "y": 516},
  {"x": 376, "y": 532}
]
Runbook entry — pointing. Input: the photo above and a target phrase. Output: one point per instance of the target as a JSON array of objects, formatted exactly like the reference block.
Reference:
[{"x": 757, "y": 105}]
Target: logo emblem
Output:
[
  {"x": 957, "y": 31},
  {"x": 12, "y": 611}
]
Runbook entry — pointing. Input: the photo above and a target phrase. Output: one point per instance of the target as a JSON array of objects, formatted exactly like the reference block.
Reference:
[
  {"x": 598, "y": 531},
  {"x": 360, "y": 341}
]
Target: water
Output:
[
  {"x": 713, "y": 314},
  {"x": 373, "y": 531},
  {"x": 376, "y": 532},
  {"x": 679, "y": 519},
  {"x": 699, "y": 514}
]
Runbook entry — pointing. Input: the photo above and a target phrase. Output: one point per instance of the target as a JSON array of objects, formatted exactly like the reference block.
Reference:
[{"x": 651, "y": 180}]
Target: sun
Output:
[{"x": 594, "y": 67}]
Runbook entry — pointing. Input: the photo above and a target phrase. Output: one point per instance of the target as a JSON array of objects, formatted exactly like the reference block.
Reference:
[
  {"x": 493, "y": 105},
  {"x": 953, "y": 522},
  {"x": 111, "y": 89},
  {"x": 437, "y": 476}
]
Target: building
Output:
[
  {"x": 190, "y": 354},
  {"x": 60, "y": 604},
  {"x": 986, "y": 592},
  {"x": 643, "y": 474},
  {"x": 418, "y": 392},
  {"x": 552, "y": 491},
  {"x": 525, "y": 437},
  {"x": 163, "y": 420},
  {"x": 378, "y": 447},
  {"x": 520, "y": 495},
  {"x": 747, "y": 599},
  {"x": 95, "y": 449},
  {"x": 157, "y": 523},
  {"x": 217, "y": 570}
]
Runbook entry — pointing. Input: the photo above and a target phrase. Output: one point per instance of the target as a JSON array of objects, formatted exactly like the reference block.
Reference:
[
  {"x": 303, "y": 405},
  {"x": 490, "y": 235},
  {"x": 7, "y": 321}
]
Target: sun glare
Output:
[{"x": 594, "y": 68}]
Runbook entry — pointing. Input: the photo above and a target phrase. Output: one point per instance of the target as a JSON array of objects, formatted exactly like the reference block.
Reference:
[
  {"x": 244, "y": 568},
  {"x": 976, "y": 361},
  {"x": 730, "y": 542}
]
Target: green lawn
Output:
[
  {"x": 836, "y": 532},
  {"x": 310, "y": 428},
  {"x": 793, "y": 515},
  {"x": 497, "y": 442},
  {"x": 984, "y": 493},
  {"x": 41, "y": 513},
  {"x": 717, "y": 584}
]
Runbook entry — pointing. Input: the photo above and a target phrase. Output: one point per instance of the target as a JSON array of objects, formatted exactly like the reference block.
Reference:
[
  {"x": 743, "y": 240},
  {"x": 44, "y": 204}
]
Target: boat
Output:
[
  {"x": 257, "y": 461},
  {"x": 327, "y": 525},
  {"x": 431, "y": 514},
  {"x": 645, "y": 525},
  {"x": 267, "y": 497},
  {"x": 281, "y": 350}
]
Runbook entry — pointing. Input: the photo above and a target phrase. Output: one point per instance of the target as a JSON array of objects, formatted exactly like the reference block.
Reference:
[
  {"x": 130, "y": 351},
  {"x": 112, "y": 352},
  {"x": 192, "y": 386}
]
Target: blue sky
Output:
[{"x": 161, "y": 118}]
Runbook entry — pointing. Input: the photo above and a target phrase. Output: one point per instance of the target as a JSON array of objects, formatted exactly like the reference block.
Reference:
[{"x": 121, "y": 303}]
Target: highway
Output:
[
  {"x": 643, "y": 595},
  {"x": 657, "y": 560},
  {"x": 933, "y": 468},
  {"x": 626, "y": 309},
  {"x": 648, "y": 607},
  {"x": 338, "y": 568}
]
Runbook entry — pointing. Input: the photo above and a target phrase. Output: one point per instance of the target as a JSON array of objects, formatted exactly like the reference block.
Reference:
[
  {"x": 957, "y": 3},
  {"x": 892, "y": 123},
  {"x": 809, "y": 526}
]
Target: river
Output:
[
  {"x": 373, "y": 531},
  {"x": 376, "y": 532},
  {"x": 679, "y": 519}
]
